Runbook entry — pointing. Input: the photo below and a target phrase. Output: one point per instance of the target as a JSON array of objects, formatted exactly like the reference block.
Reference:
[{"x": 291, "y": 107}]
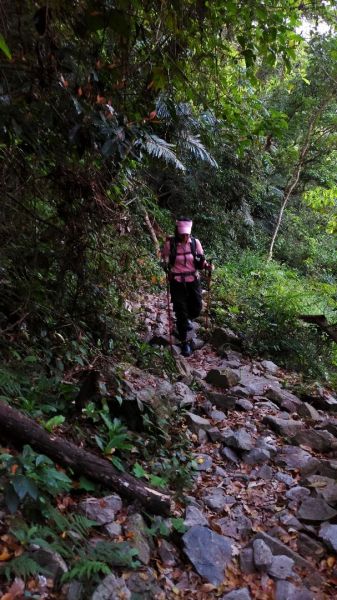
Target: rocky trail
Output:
[
  {"x": 262, "y": 516},
  {"x": 260, "y": 521}
]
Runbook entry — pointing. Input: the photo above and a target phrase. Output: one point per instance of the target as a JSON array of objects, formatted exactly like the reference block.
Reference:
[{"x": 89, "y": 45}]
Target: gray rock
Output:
[
  {"x": 307, "y": 411},
  {"x": 215, "y": 434},
  {"x": 325, "y": 487},
  {"x": 264, "y": 404},
  {"x": 321, "y": 441},
  {"x": 281, "y": 567},
  {"x": 244, "y": 404},
  {"x": 246, "y": 561},
  {"x": 102, "y": 510},
  {"x": 295, "y": 458},
  {"x": 324, "y": 401},
  {"x": 308, "y": 546},
  {"x": 209, "y": 552},
  {"x": 290, "y": 522},
  {"x": 262, "y": 555},
  {"x": 216, "y": 499},
  {"x": 196, "y": 423},
  {"x": 328, "y": 493},
  {"x": 287, "y": 591},
  {"x": 159, "y": 339},
  {"x": 222, "y": 401},
  {"x": 235, "y": 527},
  {"x": 51, "y": 561},
  {"x": 143, "y": 585},
  {"x": 267, "y": 443},
  {"x": 135, "y": 529},
  {"x": 328, "y": 533},
  {"x": 270, "y": 366},
  {"x": 256, "y": 456},
  {"x": 194, "y": 516},
  {"x": 297, "y": 493},
  {"x": 315, "y": 510},
  {"x": 111, "y": 588},
  {"x": 223, "y": 336},
  {"x": 230, "y": 455},
  {"x": 197, "y": 342},
  {"x": 220, "y": 471},
  {"x": 191, "y": 501},
  {"x": 202, "y": 437},
  {"x": 75, "y": 591},
  {"x": 113, "y": 529},
  {"x": 239, "y": 439},
  {"x": 225, "y": 378},
  {"x": 244, "y": 391},
  {"x": 217, "y": 415},
  {"x": 167, "y": 553},
  {"x": 264, "y": 472},
  {"x": 277, "y": 547},
  {"x": 239, "y": 594},
  {"x": 330, "y": 425},
  {"x": 199, "y": 373},
  {"x": 182, "y": 395},
  {"x": 284, "y": 427},
  {"x": 284, "y": 399},
  {"x": 203, "y": 462},
  {"x": 288, "y": 480},
  {"x": 327, "y": 468}
]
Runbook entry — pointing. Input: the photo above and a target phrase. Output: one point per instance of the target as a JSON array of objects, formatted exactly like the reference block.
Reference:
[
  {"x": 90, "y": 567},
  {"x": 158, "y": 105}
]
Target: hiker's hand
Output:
[{"x": 209, "y": 267}]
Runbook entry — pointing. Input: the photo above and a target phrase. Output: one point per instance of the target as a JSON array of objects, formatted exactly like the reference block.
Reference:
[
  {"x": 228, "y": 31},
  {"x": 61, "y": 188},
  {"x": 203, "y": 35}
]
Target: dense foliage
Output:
[{"x": 115, "y": 117}]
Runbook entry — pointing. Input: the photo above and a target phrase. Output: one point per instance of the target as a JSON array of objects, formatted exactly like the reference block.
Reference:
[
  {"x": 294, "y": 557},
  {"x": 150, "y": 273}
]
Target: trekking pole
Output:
[
  {"x": 169, "y": 314},
  {"x": 209, "y": 277}
]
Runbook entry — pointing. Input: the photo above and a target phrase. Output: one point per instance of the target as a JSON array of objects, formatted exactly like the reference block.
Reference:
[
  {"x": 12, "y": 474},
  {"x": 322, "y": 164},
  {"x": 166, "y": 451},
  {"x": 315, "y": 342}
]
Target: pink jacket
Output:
[{"x": 184, "y": 262}]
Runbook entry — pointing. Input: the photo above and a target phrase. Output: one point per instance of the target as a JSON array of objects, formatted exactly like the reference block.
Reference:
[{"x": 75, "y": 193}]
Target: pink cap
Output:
[{"x": 184, "y": 227}]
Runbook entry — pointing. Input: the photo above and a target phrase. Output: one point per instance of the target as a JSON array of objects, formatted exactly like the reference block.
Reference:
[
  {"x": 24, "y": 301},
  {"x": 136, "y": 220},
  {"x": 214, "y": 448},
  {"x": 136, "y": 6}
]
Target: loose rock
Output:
[
  {"x": 262, "y": 556},
  {"x": 209, "y": 552}
]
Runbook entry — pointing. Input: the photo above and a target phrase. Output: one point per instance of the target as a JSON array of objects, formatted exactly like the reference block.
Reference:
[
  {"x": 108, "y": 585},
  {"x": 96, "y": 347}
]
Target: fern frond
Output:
[
  {"x": 86, "y": 569},
  {"x": 81, "y": 524},
  {"x": 159, "y": 148},
  {"x": 9, "y": 385},
  {"x": 118, "y": 554},
  {"x": 164, "y": 109},
  {"x": 22, "y": 566},
  {"x": 193, "y": 145}
]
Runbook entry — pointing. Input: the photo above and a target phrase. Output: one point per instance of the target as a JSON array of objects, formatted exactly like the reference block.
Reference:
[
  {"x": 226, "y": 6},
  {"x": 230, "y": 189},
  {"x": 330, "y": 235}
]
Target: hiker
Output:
[{"x": 183, "y": 257}]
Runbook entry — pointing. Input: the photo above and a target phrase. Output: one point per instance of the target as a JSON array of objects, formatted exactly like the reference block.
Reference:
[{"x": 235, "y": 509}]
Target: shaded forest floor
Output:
[{"x": 258, "y": 520}]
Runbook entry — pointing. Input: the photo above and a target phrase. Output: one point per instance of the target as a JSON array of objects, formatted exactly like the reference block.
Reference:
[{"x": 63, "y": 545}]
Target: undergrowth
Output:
[{"x": 264, "y": 301}]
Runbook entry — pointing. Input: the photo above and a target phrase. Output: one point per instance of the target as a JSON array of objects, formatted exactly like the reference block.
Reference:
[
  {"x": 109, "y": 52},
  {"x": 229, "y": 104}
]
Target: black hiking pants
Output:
[{"x": 187, "y": 303}]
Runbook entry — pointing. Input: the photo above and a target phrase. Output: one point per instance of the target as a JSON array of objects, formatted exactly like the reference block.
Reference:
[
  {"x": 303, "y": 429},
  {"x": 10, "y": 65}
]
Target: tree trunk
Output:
[
  {"x": 151, "y": 231},
  {"x": 19, "y": 429},
  {"x": 294, "y": 179}
]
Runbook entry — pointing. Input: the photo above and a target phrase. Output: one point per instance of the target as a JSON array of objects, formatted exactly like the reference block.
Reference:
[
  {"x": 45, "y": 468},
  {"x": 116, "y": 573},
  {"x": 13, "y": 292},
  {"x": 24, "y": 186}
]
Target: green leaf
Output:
[
  {"x": 4, "y": 47},
  {"x": 12, "y": 499},
  {"x": 32, "y": 359},
  {"x": 117, "y": 463},
  {"x": 157, "y": 481},
  {"x": 23, "y": 486},
  {"x": 85, "y": 484},
  {"x": 138, "y": 471},
  {"x": 100, "y": 442},
  {"x": 178, "y": 525},
  {"x": 54, "y": 422}
]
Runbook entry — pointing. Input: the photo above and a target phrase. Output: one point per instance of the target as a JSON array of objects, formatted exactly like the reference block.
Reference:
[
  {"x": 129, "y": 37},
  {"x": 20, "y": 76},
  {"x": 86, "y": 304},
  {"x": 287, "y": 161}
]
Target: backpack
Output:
[{"x": 198, "y": 259}]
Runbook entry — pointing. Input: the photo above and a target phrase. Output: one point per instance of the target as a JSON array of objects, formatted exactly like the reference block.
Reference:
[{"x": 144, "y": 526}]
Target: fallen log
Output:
[
  {"x": 322, "y": 323},
  {"x": 19, "y": 429}
]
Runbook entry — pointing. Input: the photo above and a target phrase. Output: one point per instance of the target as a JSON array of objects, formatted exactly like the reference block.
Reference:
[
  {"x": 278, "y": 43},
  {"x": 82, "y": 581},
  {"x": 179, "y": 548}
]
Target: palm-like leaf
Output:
[
  {"x": 193, "y": 145},
  {"x": 159, "y": 148}
]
